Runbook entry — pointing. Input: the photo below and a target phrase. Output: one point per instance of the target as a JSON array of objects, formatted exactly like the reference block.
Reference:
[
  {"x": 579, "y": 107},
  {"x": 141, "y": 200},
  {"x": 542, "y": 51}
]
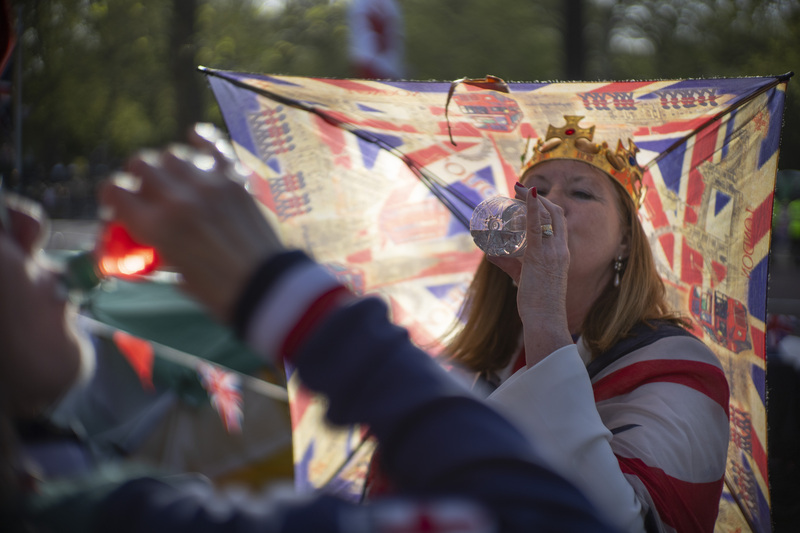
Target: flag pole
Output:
[{"x": 18, "y": 104}]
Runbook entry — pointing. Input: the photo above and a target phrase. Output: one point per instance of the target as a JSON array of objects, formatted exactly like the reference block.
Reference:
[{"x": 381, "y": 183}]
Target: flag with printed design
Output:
[{"x": 378, "y": 179}]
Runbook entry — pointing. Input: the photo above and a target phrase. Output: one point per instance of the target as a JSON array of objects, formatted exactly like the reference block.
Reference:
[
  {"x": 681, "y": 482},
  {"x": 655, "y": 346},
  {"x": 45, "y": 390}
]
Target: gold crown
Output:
[{"x": 573, "y": 142}]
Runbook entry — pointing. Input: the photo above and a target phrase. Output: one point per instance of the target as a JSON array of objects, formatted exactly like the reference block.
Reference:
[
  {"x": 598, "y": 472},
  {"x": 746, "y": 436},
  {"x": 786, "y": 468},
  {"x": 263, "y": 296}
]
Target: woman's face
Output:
[
  {"x": 596, "y": 235},
  {"x": 40, "y": 351}
]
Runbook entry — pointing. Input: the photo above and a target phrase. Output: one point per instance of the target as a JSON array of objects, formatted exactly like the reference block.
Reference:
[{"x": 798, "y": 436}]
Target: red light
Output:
[{"x": 121, "y": 256}]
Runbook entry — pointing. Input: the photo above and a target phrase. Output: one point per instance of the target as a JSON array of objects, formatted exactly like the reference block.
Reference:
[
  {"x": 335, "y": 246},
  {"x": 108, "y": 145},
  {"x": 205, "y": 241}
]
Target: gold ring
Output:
[{"x": 547, "y": 230}]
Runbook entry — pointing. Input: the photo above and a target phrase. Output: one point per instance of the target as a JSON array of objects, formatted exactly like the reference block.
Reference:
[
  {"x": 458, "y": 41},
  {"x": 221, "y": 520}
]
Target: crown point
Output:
[{"x": 574, "y": 142}]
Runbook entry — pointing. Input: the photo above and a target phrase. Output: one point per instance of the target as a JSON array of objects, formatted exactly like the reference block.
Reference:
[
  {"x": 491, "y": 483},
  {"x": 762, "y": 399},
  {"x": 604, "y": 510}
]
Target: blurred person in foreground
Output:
[
  {"x": 577, "y": 345},
  {"x": 457, "y": 463}
]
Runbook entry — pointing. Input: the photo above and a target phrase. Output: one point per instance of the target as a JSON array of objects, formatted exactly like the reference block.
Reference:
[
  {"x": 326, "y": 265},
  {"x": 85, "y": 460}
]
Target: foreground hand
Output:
[{"x": 190, "y": 206}]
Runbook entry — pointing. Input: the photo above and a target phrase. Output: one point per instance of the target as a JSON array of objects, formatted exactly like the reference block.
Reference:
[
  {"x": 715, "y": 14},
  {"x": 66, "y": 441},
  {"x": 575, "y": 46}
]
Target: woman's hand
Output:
[
  {"x": 190, "y": 205},
  {"x": 541, "y": 277}
]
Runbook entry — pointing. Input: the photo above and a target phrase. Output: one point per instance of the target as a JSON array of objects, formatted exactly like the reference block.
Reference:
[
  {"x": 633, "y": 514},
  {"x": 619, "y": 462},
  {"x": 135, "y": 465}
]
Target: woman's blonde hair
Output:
[{"x": 490, "y": 336}]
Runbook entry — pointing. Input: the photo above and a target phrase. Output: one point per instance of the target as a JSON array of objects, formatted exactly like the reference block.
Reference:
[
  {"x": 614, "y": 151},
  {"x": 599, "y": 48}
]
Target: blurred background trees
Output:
[{"x": 101, "y": 78}]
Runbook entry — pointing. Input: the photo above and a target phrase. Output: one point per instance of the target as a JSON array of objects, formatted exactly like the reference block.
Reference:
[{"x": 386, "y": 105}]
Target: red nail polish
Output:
[
  {"x": 533, "y": 192},
  {"x": 518, "y": 184}
]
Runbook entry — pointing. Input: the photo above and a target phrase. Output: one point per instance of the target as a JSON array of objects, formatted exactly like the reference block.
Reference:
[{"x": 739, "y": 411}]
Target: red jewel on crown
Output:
[{"x": 570, "y": 131}]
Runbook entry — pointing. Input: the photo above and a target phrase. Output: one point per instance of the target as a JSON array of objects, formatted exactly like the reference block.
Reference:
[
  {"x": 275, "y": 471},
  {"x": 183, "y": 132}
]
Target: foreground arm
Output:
[{"x": 438, "y": 441}]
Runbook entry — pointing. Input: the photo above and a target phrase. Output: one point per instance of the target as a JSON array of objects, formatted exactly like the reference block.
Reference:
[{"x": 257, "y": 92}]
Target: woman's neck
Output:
[{"x": 580, "y": 299}]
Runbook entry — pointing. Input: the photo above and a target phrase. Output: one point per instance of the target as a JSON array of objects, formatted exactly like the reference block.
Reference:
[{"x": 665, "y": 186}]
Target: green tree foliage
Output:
[
  {"x": 301, "y": 38},
  {"x": 92, "y": 76},
  {"x": 451, "y": 39}
]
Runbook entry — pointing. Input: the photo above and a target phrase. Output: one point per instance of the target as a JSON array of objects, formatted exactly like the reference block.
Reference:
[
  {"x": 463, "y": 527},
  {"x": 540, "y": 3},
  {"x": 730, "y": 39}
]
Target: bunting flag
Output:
[
  {"x": 377, "y": 180},
  {"x": 222, "y": 386},
  {"x": 139, "y": 354},
  {"x": 225, "y": 393},
  {"x": 169, "y": 414}
]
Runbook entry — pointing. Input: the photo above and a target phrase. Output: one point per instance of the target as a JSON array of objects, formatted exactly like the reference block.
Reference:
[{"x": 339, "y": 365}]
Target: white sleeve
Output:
[
  {"x": 553, "y": 404},
  {"x": 283, "y": 307}
]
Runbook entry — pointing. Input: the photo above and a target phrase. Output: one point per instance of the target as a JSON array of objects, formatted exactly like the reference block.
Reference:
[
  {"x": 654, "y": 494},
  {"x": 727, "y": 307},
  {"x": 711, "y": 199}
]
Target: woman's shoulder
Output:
[{"x": 653, "y": 340}]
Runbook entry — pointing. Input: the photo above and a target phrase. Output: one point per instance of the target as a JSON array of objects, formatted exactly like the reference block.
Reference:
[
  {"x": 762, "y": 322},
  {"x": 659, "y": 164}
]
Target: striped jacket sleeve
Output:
[
  {"x": 645, "y": 438},
  {"x": 666, "y": 405}
]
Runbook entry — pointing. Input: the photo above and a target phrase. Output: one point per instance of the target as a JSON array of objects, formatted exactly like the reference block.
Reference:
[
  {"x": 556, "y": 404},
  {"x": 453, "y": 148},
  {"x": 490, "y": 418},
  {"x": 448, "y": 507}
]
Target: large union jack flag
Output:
[{"x": 377, "y": 179}]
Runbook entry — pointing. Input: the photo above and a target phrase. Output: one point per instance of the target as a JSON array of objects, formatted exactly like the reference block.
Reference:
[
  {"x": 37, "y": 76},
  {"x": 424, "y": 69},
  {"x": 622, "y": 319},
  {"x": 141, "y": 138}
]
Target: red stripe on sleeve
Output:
[
  {"x": 685, "y": 506},
  {"x": 702, "y": 377},
  {"x": 316, "y": 312}
]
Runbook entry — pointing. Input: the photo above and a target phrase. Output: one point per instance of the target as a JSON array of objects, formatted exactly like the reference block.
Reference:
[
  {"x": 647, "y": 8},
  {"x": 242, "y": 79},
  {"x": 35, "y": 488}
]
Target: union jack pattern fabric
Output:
[
  {"x": 225, "y": 393},
  {"x": 364, "y": 176}
]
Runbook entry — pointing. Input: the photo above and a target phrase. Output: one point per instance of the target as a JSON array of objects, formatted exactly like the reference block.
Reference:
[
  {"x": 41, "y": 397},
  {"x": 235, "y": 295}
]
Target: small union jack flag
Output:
[{"x": 224, "y": 391}]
